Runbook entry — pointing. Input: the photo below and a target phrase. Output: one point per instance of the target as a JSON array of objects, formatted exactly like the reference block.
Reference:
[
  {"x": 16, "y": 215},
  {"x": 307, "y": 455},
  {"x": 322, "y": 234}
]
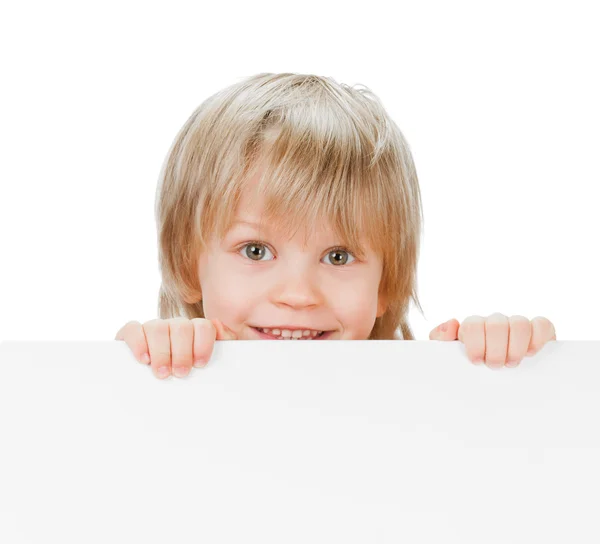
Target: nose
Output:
[{"x": 299, "y": 288}]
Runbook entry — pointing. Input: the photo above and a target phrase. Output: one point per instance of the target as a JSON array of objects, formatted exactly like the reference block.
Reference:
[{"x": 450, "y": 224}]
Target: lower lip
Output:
[{"x": 265, "y": 336}]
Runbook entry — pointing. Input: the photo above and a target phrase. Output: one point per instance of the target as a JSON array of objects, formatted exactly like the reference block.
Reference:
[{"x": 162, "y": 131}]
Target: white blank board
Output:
[{"x": 295, "y": 442}]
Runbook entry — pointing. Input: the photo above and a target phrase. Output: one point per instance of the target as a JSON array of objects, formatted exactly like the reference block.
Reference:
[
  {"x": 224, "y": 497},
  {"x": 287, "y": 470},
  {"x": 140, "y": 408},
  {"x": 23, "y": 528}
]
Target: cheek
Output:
[
  {"x": 356, "y": 303},
  {"x": 357, "y": 314},
  {"x": 228, "y": 296},
  {"x": 364, "y": 314}
]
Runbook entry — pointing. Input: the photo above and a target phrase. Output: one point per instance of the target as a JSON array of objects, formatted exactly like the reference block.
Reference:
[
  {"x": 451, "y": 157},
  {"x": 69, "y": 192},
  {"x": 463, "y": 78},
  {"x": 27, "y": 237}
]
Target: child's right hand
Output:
[{"x": 174, "y": 344}]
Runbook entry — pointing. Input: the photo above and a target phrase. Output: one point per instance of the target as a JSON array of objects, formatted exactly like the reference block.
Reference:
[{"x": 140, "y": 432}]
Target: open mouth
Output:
[{"x": 267, "y": 336}]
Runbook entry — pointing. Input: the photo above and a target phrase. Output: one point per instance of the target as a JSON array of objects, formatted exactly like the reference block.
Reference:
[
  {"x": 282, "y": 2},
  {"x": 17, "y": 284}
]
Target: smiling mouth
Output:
[{"x": 267, "y": 336}]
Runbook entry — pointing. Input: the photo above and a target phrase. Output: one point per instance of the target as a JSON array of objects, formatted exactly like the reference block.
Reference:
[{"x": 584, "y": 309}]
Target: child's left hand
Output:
[{"x": 489, "y": 339}]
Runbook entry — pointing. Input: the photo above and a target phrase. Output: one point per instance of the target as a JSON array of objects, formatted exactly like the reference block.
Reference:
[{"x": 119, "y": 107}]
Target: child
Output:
[{"x": 289, "y": 207}]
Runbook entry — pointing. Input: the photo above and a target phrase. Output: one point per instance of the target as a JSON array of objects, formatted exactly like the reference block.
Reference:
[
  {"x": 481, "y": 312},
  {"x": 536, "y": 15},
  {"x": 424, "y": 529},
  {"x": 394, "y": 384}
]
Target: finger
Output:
[
  {"x": 205, "y": 334},
  {"x": 447, "y": 331},
  {"x": 472, "y": 334},
  {"x": 519, "y": 335},
  {"x": 496, "y": 340},
  {"x": 542, "y": 331},
  {"x": 181, "y": 333},
  {"x": 132, "y": 334},
  {"x": 159, "y": 345}
]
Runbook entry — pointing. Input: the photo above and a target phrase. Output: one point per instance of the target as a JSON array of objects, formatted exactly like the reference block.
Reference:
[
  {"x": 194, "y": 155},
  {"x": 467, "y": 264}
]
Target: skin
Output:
[
  {"x": 497, "y": 340},
  {"x": 288, "y": 284},
  {"x": 173, "y": 344},
  {"x": 293, "y": 284}
]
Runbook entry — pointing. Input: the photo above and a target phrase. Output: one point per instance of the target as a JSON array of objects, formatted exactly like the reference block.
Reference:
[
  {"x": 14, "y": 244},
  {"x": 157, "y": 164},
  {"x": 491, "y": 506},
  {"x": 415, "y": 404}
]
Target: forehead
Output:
[
  {"x": 250, "y": 213},
  {"x": 251, "y": 207},
  {"x": 296, "y": 204}
]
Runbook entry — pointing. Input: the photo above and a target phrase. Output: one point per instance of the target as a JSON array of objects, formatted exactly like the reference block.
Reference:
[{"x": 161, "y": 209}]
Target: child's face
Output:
[{"x": 286, "y": 284}]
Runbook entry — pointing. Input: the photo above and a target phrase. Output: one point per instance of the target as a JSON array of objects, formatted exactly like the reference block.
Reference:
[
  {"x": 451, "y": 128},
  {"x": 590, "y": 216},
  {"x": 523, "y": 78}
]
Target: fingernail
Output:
[
  {"x": 181, "y": 371},
  {"x": 163, "y": 372},
  {"x": 199, "y": 363},
  {"x": 146, "y": 358},
  {"x": 444, "y": 327}
]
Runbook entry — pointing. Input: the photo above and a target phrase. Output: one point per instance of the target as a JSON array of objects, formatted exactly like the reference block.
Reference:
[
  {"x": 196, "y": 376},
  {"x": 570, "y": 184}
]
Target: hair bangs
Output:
[{"x": 327, "y": 188}]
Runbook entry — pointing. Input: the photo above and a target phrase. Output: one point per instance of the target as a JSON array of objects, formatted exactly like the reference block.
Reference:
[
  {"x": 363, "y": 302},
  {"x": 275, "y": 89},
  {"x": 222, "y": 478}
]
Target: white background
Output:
[{"x": 498, "y": 101}]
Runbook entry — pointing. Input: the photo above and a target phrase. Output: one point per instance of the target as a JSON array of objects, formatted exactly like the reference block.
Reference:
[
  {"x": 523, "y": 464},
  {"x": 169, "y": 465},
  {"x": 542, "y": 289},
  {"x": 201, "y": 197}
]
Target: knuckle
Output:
[
  {"x": 156, "y": 326},
  {"x": 496, "y": 321},
  {"x": 473, "y": 319},
  {"x": 472, "y": 322},
  {"x": 542, "y": 330},
  {"x": 201, "y": 323},
  {"x": 518, "y": 321},
  {"x": 180, "y": 324},
  {"x": 126, "y": 330},
  {"x": 177, "y": 320},
  {"x": 518, "y": 318},
  {"x": 541, "y": 319},
  {"x": 132, "y": 323},
  {"x": 544, "y": 324}
]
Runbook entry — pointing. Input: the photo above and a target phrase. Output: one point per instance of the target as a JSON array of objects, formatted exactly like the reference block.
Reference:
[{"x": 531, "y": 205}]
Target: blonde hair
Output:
[{"x": 329, "y": 151}]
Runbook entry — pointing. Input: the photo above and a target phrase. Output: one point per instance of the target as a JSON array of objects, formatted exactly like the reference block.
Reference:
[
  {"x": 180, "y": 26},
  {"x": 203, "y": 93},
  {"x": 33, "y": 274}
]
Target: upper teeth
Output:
[{"x": 285, "y": 333}]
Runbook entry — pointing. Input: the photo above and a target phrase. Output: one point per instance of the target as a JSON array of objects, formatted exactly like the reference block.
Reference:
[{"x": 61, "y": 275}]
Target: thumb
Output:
[
  {"x": 223, "y": 331},
  {"x": 449, "y": 334}
]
